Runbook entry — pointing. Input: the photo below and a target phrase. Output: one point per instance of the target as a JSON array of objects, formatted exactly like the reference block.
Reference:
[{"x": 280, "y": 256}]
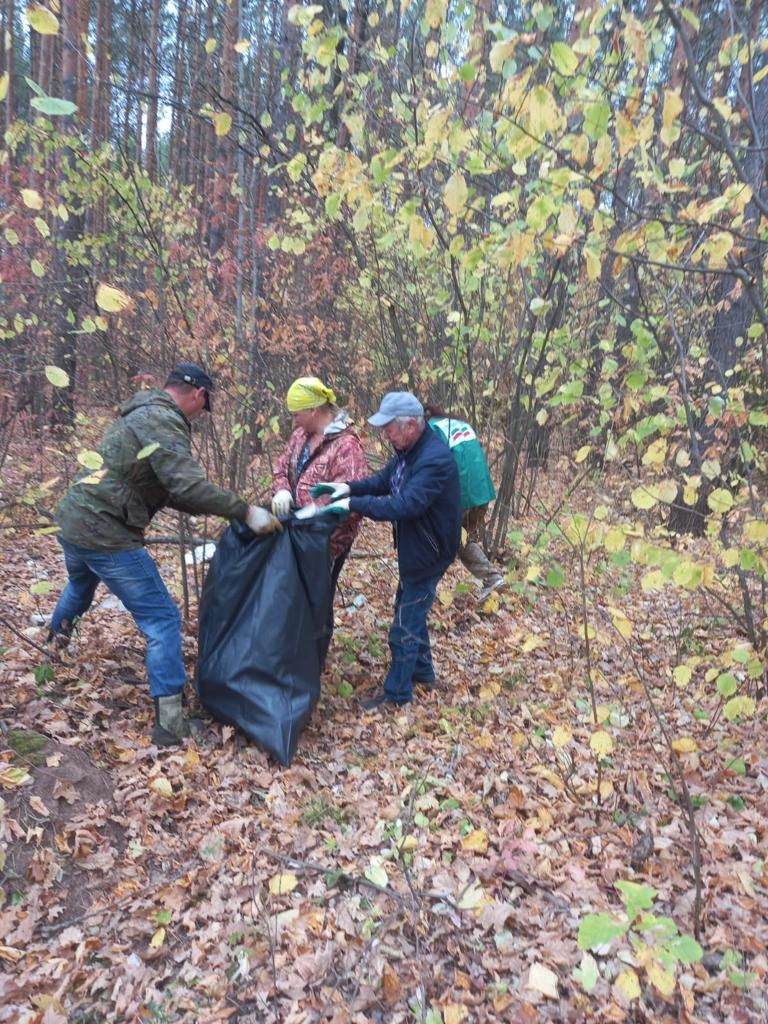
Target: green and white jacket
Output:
[{"x": 474, "y": 476}]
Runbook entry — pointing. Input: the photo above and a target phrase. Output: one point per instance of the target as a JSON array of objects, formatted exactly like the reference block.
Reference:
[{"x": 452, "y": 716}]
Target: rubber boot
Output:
[
  {"x": 171, "y": 727},
  {"x": 59, "y": 641}
]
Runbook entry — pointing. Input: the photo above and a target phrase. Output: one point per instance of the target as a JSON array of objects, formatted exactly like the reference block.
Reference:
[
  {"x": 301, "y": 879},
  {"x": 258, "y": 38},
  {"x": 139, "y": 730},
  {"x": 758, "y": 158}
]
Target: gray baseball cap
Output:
[{"x": 396, "y": 403}]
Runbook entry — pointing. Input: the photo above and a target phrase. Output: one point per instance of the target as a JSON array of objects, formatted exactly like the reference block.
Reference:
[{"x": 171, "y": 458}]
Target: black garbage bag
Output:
[{"x": 264, "y": 630}]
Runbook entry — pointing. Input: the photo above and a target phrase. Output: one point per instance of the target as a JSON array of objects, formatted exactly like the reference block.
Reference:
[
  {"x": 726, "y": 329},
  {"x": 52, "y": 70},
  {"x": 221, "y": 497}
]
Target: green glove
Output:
[
  {"x": 340, "y": 509},
  {"x": 335, "y": 490}
]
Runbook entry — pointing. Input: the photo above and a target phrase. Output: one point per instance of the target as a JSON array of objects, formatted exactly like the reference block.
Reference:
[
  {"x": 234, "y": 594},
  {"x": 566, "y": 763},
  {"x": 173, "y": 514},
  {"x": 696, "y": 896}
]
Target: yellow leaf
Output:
[
  {"x": 42, "y": 227},
  {"x": 11, "y": 777},
  {"x": 500, "y": 53},
  {"x": 614, "y": 539},
  {"x": 582, "y": 453},
  {"x": 435, "y": 12},
  {"x": 222, "y": 122},
  {"x": 666, "y": 491},
  {"x": 283, "y": 883},
  {"x": 477, "y": 841},
  {"x": 642, "y": 498},
  {"x": 161, "y": 786},
  {"x": 490, "y": 604},
  {"x": 210, "y": 45},
  {"x": 473, "y": 897},
  {"x": 601, "y": 743},
  {"x": 112, "y": 300},
  {"x": 157, "y": 939},
  {"x": 628, "y": 985},
  {"x": 32, "y": 198},
  {"x": 673, "y": 105},
  {"x": 490, "y": 690},
  {"x": 542, "y": 979},
  {"x": 661, "y": 979},
  {"x": 409, "y": 842},
  {"x": 685, "y": 745},
  {"x": 656, "y": 453},
  {"x": 621, "y": 623},
  {"x": 543, "y": 112},
  {"x": 531, "y": 643},
  {"x": 455, "y": 193},
  {"x": 420, "y": 234},
  {"x": 4, "y": 81},
  {"x": 242, "y": 46},
  {"x": 455, "y": 1013},
  {"x": 562, "y": 736},
  {"x": 42, "y": 20},
  {"x": 682, "y": 675},
  {"x": 445, "y": 597}
]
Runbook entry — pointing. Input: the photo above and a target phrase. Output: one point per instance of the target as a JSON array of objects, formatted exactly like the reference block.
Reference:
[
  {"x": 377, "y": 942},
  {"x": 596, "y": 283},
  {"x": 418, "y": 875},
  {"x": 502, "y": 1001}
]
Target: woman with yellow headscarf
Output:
[{"x": 323, "y": 446}]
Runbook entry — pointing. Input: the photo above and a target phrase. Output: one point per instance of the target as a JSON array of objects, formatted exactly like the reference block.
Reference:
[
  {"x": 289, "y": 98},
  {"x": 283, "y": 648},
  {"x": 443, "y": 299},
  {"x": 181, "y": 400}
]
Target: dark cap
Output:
[{"x": 191, "y": 373}]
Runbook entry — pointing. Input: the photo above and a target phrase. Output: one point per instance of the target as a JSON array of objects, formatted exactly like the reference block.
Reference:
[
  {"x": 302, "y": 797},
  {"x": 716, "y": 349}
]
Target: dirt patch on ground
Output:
[{"x": 57, "y": 837}]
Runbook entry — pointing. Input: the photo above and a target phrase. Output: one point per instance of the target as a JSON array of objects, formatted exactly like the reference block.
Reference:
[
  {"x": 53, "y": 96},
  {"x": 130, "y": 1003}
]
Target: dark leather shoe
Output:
[{"x": 376, "y": 701}]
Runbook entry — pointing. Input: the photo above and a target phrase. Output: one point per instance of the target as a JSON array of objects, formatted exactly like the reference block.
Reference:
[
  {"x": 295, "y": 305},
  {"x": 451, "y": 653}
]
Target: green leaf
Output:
[
  {"x": 587, "y": 974},
  {"x": 564, "y": 59},
  {"x": 636, "y": 897},
  {"x": 90, "y": 459},
  {"x": 555, "y": 577},
  {"x": 53, "y": 107},
  {"x": 377, "y": 873},
  {"x": 720, "y": 500},
  {"x": 598, "y": 930},
  {"x": 727, "y": 684},
  {"x": 596, "y": 117},
  {"x": 685, "y": 949},
  {"x": 332, "y": 204},
  {"x": 43, "y": 587},
  {"x": 147, "y": 450},
  {"x": 56, "y": 376}
]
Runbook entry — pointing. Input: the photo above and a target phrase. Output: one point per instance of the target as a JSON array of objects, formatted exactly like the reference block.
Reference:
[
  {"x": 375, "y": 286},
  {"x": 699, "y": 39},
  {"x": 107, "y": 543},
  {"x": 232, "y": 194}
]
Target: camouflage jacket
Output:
[{"x": 148, "y": 465}]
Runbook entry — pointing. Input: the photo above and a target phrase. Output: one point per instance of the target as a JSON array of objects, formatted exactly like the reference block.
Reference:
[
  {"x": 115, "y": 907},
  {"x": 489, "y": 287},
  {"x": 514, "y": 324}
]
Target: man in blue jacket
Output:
[{"x": 418, "y": 491}]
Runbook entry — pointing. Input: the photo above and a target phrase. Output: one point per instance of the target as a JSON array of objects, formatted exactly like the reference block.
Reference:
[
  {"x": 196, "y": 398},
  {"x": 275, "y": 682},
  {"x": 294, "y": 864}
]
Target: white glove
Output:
[
  {"x": 333, "y": 489},
  {"x": 281, "y": 503},
  {"x": 260, "y": 521}
]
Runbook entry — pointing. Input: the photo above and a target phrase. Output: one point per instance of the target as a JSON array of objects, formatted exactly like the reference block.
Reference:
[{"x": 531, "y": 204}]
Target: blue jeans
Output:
[
  {"x": 409, "y": 639},
  {"x": 132, "y": 576}
]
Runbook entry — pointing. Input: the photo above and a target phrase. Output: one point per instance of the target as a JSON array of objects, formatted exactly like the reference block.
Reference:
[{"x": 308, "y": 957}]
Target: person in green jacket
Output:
[
  {"x": 147, "y": 465},
  {"x": 477, "y": 491}
]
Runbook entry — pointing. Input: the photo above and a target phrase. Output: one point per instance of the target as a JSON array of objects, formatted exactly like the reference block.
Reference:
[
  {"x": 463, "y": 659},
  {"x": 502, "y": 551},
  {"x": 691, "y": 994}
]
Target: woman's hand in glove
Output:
[{"x": 281, "y": 503}]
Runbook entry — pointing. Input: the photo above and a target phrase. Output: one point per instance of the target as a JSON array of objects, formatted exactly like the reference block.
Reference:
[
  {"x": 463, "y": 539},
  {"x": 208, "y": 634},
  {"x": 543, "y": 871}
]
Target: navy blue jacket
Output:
[{"x": 426, "y": 511}]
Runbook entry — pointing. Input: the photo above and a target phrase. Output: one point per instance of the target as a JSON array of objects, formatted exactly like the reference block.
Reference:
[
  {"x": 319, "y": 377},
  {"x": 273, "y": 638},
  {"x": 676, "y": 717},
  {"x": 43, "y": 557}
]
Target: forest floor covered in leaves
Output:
[{"x": 432, "y": 863}]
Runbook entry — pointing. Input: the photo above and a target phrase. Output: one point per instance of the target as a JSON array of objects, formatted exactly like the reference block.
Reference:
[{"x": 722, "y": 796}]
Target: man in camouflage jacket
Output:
[{"x": 147, "y": 465}]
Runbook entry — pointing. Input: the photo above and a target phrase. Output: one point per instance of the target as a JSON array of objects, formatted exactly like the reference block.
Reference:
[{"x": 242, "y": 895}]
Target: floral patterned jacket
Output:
[{"x": 340, "y": 456}]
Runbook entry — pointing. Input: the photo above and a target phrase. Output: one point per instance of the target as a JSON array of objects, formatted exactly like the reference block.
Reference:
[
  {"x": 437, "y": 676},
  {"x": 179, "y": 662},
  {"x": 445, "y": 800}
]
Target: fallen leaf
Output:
[
  {"x": 161, "y": 786},
  {"x": 542, "y": 979},
  {"x": 283, "y": 883}
]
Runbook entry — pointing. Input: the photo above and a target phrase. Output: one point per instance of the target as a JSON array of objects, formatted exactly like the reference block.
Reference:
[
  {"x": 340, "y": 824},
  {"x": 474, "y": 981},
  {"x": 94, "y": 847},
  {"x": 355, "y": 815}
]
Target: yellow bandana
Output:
[{"x": 308, "y": 393}]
